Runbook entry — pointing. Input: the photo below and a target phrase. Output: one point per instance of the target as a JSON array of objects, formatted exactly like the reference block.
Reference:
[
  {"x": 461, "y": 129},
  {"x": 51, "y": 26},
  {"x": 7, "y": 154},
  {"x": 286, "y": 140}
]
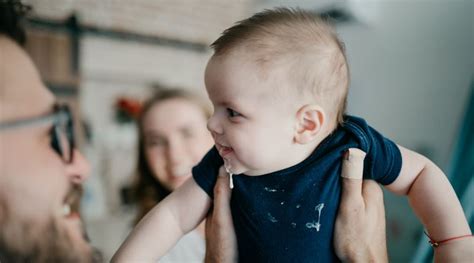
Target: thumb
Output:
[
  {"x": 222, "y": 189},
  {"x": 351, "y": 173}
]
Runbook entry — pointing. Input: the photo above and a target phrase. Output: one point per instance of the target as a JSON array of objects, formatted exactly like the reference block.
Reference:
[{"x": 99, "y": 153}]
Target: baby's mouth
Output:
[{"x": 224, "y": 150}]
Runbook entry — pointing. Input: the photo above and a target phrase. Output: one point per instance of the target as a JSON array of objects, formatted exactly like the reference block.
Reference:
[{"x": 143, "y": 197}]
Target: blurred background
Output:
[{"x": 412, "y": 65}]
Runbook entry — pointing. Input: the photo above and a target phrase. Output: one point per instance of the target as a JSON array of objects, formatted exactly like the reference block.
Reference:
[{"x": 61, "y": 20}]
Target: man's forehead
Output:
[{"x": 22, "y": 92}]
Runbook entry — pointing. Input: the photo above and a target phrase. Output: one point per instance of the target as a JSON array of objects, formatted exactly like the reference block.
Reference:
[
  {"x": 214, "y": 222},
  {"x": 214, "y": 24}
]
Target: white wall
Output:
[
  {"x": 411, "y": 68},
  {"x": 129, "y": 62},
  {"x": 411, "y": 64}
]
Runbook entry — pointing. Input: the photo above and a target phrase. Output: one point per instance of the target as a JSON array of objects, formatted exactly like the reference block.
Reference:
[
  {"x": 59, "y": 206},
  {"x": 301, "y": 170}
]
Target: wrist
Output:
[
  {"x": 459, "y": 250},
  {"x": 436, "y": 244}
]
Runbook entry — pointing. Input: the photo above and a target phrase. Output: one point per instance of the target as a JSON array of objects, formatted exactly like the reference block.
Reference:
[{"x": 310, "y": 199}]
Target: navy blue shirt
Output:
[{"x": 289, "y": 215}]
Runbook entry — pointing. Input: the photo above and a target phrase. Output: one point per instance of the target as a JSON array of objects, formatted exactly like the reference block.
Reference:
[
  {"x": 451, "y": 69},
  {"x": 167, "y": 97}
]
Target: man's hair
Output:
[
  {"x": 11, "y": 17},
  {"x": 305, "y": 43}
]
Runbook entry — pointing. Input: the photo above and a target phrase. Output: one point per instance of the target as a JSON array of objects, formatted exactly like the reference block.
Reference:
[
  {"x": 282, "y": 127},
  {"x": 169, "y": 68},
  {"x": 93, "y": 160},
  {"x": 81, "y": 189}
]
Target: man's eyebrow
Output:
[
  {"x": 52, "y": 106},
  {"x": 49, "y": 109}
]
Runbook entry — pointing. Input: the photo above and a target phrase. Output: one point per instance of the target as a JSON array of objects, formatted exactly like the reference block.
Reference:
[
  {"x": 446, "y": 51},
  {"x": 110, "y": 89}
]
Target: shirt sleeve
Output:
[
  {"x": 205, "y": 173},
  {"x": 383, "y": 161}
]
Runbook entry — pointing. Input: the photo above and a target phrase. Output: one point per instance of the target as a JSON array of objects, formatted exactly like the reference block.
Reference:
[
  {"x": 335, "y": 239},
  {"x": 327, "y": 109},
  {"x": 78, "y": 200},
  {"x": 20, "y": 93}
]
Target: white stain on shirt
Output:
[
  {"x": 271, "y": 190},
  {"x": 271, "y": 218},
  {"x": 316, "y": 224}
]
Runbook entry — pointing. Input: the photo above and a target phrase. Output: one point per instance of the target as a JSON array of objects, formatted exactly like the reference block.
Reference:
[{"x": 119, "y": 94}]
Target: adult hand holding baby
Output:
[
  {"x": 359, "y": 234},
  {"x": 221, "y": 243}
]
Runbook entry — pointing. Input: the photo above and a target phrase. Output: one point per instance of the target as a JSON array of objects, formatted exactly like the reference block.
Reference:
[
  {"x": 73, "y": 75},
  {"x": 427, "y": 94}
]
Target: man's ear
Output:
[{"x": 309, "y": 122}]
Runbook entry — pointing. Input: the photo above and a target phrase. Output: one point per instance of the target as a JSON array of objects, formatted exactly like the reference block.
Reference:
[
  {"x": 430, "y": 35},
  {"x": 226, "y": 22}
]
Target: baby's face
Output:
[{"x": 252, "y": 127}]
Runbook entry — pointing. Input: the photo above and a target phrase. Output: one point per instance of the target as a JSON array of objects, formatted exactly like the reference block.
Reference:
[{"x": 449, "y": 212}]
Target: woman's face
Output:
[{"x": 175, "y": 139}]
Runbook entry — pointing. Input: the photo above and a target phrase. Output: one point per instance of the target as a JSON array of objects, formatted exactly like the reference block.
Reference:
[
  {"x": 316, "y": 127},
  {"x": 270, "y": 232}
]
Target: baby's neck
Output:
[{"x": 309, "y": 148}]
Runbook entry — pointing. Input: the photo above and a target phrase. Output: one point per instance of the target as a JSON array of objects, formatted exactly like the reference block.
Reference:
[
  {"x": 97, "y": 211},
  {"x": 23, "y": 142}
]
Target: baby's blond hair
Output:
[{"x": 306, "y": 44}]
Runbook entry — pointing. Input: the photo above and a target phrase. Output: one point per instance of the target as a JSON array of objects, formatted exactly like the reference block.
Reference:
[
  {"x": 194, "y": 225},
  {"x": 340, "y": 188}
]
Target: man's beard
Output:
[
  {"x": 54, "y": 245},
  {"x": 26, "y": 241}
]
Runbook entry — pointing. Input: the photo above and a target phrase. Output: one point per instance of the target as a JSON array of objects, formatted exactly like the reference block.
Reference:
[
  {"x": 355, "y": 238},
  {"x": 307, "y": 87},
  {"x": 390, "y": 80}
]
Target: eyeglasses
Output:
[{"x": 62, "y": 132}]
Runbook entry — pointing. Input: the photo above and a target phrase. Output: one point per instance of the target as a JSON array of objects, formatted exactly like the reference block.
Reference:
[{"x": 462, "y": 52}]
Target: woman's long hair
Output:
[{"x": 147, "y": 190}]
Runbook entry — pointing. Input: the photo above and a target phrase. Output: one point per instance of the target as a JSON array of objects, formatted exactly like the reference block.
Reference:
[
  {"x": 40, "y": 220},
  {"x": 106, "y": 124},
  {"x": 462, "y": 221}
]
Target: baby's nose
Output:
[{"x": 213, "y": 125}]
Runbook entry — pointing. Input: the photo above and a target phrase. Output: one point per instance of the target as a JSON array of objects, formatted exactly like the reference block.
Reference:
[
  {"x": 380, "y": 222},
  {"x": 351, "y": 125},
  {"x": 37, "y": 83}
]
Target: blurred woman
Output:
[{"x": 172, "y": 139}]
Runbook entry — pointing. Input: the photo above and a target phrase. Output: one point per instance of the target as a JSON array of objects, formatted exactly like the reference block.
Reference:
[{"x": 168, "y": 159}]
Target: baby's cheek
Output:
[{"x": 251, "y": 159}]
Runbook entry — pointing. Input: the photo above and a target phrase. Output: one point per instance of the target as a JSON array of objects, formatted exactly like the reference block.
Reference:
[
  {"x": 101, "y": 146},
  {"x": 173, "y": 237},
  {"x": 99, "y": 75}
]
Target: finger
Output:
[
  {"x": 351, "y": 173},
  {"x": 353, "y": 164},
  {"x": 222, "y": 191}
]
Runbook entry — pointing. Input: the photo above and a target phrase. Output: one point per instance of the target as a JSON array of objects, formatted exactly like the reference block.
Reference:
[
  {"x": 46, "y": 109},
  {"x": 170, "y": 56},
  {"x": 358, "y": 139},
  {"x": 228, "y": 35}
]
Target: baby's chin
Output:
[
  {"x": 237, "y": 169},
  {"x": 234, "y": 166}
]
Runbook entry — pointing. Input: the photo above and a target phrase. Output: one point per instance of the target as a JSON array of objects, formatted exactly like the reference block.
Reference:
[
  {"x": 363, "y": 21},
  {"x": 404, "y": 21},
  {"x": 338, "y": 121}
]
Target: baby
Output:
[{"x": 278, "y": 82}]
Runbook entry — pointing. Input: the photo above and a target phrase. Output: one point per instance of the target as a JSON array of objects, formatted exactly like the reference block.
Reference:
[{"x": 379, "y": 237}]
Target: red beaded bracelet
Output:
[{"x": 435, "y": 244}]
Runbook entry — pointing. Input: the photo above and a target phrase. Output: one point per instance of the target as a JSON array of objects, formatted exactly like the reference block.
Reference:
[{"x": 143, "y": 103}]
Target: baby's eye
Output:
[{"x": 232, "y": 113}]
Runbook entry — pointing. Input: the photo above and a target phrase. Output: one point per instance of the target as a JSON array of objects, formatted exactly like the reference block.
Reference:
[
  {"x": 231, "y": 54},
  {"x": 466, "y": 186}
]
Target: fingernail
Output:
[
  {"x": 345, "y": 155},
  {"x": 354, "y": 153},
  {"x": 353, "y": 164}
]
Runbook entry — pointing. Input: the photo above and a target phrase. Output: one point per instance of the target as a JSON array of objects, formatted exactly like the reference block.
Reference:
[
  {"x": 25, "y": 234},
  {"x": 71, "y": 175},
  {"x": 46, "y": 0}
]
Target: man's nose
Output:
[{"x": 79, "y": 169}]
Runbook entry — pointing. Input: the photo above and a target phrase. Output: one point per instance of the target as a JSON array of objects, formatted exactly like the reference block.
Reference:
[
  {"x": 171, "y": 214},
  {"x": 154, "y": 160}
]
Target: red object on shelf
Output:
[{"x": 130, "y": 106}]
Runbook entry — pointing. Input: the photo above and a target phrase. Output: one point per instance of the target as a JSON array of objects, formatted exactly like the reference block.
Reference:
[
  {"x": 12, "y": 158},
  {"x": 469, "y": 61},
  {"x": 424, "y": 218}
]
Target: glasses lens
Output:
[
  {"x": 64, "y": 142},
  {"x": 55, "y": 141},
  {"x": 62, "y": 137}
]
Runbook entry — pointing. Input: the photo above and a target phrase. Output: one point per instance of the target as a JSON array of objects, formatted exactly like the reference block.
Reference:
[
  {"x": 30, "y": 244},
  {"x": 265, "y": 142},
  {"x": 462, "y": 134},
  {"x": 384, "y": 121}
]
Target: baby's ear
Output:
[{"x": 309, "y": 122}]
